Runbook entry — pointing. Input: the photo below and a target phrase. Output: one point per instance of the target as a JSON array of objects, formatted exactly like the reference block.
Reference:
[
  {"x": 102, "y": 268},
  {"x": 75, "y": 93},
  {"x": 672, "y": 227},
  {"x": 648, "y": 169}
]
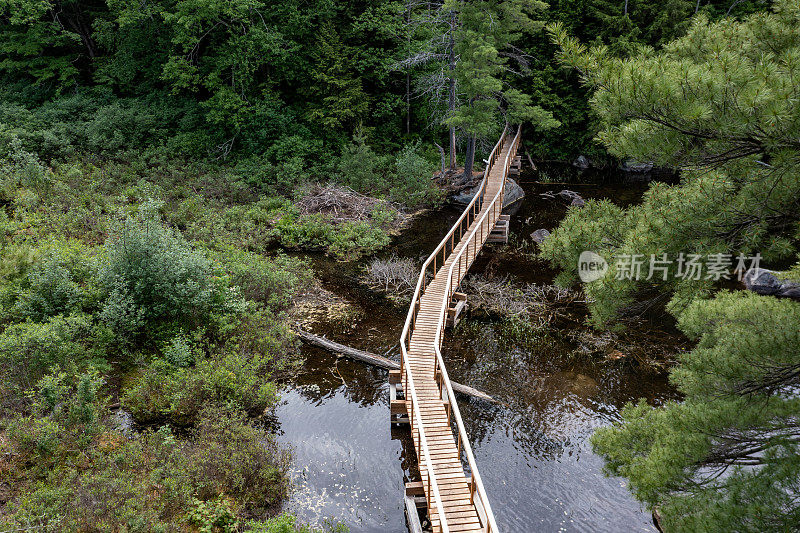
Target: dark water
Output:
[{"x": 533, "y": 450}]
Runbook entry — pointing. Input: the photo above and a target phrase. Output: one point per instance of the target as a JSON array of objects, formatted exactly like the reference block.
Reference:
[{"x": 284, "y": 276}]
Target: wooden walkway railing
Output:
[{"x": 456, "y": 502}]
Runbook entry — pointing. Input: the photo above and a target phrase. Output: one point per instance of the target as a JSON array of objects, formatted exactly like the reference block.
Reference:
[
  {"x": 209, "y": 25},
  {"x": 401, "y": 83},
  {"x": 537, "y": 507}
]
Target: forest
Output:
[{"x": 181, "y": 181}]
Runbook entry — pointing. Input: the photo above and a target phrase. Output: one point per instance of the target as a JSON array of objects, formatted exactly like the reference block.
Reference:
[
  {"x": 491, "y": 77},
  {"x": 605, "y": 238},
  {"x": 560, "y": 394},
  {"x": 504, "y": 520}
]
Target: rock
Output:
[
  {"x": 540, "y": 235},
  {"x": 568, "y": 195},
  {"x": 761, "y": 281},
  {"x": 615, "y": 355},
  {"x": 634, "y": 166},
  {"x": 581, "y": 162},
  {"x": 765, "y": 282},
  {"x": 464, "y": 197},
  {"x": 577, "y": 201},
  {"x": 122, "y": 421},
  {"x": 513, "y": 194},
  {"x": 463, "y": 181},
  {"x": 571, "y": 196},
  {"x": 575, "y": 383}
]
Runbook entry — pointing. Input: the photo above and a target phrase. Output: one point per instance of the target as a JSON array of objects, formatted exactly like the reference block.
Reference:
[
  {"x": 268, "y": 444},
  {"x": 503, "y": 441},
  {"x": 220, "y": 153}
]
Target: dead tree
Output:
[{"x": 434, "y": 59}]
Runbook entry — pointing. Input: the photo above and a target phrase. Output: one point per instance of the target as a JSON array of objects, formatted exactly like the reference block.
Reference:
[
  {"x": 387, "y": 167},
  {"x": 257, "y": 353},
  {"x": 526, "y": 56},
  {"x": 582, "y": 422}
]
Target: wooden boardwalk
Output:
[{"x": 455, "y": 501}]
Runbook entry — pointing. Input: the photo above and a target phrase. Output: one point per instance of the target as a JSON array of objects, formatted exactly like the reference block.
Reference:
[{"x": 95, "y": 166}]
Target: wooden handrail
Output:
[
  {"x": 467, "y": 211},
  {"x": 445, "y": 388},
  {"x": 424, "y": 445},
  {"x": 495, "y": 208}
]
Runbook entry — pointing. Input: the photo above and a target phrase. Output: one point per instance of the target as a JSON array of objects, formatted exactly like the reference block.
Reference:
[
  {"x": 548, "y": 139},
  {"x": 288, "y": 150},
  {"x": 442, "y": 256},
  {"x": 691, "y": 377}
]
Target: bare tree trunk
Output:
[
  {"x": 452, "y": 148},
  {"x": 84, "y": 32},
  {"x": 408, "y": 103},
  {"x": 451, "y": 104},
  {"x": 469, "y": 162},
  {"x": 376, "y": 360},
  {"x": 697, "y": 7},
  {"x": 626, "y": 8},
  {"x": 441, "y": 151}
]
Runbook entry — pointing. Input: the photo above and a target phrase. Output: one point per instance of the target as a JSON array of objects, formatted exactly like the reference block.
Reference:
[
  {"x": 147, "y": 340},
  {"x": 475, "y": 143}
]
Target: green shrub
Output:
[
  {"x": 234, "y": 457},
  {"x": 281, "y": 176},
  {"x": 346, "y": 241},
  {"x": 244, "y": 227},
  {"x": 29, "y": 349},
  {"x": 24, "y": 168},
  {"x": 66, "y": 408},
  {"x": 163, "y": 392},
  {"x": 152, "y": 275},
  {"x": 360, "y": 167},
  {"x": 16, "y": 261},
  {"x": 287, "y": 523},
  {"x": 270, "y": 281},
  {"x": 119, "y": 125},
  {"x": 311, "y": 232},
  {"x": 56, "y": 284},
  {"x": 352, "y": 239},
  {"x": 227, "y": 469},
  {"x": 405, "y": 178},
  {"x": 412, "y": 183},
  {"x": 178, "y": 352},
  {"x": 240, "y": 371},
  {"x": 214, "y": 516},
  {"x": 178, "y": 395}
]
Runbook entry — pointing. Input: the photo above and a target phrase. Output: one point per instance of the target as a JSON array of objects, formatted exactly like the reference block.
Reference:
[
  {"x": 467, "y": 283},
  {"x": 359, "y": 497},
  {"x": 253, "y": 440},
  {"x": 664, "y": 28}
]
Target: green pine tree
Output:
[
  {"x": 721, "y": 104},
  {"x": 484, "y": 47}
]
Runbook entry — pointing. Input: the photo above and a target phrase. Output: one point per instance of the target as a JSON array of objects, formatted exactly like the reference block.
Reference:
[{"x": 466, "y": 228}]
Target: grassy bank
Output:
[{"x": 159, "y": 288}]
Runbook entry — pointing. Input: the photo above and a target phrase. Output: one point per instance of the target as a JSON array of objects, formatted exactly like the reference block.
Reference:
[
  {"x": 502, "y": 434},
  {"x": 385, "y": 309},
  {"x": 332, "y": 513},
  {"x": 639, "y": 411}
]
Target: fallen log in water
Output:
[{"x": 377, "y": 360}]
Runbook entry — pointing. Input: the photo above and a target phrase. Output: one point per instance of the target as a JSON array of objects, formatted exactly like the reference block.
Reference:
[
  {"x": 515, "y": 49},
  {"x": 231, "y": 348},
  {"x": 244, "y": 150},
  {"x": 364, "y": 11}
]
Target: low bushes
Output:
[
  {"x": 91, "y": 478},
  {"x": 201, "y": 325},
  {"x": 29, "y": 349},
  {"x": 405, "y": 178}
]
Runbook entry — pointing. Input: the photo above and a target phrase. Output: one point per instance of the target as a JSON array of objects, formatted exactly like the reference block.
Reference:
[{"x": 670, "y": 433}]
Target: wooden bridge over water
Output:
[{"x": 455, "y": 501}]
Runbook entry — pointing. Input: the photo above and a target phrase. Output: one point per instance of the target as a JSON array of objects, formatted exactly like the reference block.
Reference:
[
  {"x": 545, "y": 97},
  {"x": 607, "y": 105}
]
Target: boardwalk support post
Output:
[{"x": 500, "y": 231}]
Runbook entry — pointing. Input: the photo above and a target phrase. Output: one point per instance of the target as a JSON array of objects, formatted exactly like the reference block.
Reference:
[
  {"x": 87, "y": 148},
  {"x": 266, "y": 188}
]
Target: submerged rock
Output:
[
  {"x": 575, "y": 383},
  {"x": 568, "y": 195},
  {"x": 635, "y": 166}
]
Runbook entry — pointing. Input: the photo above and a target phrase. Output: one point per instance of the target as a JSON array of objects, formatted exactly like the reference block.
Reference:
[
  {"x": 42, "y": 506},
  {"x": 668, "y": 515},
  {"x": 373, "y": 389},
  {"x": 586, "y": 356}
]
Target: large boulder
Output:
[
  {"x": 540, "y": 235},
  {"x": 763, "y": 281},
  {"x": 581, "y": 162},
  {"x": 513, "y": 194}
]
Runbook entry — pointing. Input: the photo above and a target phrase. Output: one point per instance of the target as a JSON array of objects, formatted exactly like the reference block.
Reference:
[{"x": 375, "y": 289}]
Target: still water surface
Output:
[{"x": 533, "y": 450}]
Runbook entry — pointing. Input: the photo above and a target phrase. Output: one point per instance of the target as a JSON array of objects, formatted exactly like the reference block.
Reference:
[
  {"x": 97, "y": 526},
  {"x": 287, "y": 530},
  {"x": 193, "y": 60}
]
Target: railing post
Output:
[{"x": 472, "y": 490}]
